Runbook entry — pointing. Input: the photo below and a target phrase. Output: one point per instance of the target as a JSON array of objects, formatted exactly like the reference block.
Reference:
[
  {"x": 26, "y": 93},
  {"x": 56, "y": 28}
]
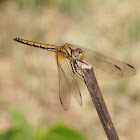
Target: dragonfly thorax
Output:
[{"x": 77, "y": 54}]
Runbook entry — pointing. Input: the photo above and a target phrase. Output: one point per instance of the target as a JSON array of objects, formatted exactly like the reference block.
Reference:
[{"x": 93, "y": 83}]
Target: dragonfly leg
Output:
[
  {"x": 83, "y": 62},
  {"x": 74, "y": 69}
]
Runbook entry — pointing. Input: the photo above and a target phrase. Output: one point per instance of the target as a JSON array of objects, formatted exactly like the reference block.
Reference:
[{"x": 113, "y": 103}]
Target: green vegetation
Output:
[{"x": 22, "y": 130}]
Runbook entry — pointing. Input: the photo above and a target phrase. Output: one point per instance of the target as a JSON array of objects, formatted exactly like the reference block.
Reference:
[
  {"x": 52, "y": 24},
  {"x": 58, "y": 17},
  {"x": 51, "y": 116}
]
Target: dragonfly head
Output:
[{"x": 77, "y": 54}]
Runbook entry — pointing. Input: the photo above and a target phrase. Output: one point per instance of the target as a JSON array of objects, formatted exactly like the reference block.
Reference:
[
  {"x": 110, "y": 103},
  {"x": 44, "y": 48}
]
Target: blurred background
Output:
[{"x": 29, "y": 91}]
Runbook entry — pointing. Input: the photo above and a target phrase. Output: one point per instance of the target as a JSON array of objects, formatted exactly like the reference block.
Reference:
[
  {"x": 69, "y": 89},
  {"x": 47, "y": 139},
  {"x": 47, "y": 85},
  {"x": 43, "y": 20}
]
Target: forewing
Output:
[
  {"x": 107, "y": 68},
  {"x": 67, "y": 82},
  {"x": 128, "y": 70}
]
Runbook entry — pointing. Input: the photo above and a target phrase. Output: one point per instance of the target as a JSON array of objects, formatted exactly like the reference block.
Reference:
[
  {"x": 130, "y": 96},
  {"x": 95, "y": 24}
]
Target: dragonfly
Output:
[{"x": 69, "y": 58}]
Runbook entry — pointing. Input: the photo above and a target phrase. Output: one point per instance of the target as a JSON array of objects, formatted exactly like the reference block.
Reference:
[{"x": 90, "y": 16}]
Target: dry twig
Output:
[{"x": 97, "y": 98}]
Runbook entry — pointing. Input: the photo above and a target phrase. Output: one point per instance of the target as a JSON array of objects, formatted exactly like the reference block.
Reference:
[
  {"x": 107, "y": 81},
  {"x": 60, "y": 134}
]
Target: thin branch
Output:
[{"x": 97, "y": 98}]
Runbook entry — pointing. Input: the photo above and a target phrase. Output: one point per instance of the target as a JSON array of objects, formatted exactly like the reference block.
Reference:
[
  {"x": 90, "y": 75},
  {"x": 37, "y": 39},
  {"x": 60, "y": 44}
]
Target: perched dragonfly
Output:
[{"x": 68, "y": 59}]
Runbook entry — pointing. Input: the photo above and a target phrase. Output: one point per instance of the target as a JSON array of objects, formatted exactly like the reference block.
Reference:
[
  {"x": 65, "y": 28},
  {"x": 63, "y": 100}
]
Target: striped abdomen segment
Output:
[{"x": 35, "y": 44}]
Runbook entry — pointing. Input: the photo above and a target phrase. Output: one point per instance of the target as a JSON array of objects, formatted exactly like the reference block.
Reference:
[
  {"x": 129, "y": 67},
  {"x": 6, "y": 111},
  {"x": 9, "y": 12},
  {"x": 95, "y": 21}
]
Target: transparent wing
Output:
[
  {"x": 107, "y": 68},
  {"x": 67, "y": 82}
]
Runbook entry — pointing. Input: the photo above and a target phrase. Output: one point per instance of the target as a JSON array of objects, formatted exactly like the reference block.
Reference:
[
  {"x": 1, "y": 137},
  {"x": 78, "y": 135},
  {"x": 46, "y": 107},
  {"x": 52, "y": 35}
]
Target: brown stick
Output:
[{"x": 97, "y": 98}]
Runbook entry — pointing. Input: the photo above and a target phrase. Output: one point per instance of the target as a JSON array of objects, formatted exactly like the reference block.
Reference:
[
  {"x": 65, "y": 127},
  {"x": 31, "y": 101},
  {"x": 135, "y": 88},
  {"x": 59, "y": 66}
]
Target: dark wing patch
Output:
[
  {"x": 130, "y": 66},
  {"x": 117, "y": 67}
]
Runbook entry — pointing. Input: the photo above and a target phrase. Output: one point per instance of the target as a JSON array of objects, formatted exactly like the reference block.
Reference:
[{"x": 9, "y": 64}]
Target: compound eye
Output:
[
  {"x": 74, "y": 57},
  {"x": 77, "y": 54}
]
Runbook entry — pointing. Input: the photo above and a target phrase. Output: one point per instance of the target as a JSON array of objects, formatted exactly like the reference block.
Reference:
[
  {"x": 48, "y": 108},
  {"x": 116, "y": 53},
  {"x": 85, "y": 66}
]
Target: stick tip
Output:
[{"x": 86, "y": 66}]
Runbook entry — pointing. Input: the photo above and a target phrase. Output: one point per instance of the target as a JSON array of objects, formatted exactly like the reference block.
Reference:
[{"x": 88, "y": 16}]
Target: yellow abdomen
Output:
[{"x": 49, "y": 47}]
